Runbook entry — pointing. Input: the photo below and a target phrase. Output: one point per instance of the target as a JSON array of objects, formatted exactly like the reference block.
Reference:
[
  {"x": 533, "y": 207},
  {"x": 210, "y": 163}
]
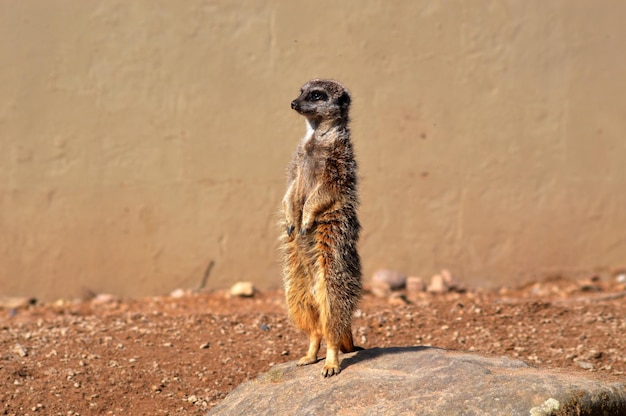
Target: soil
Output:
[{"x": 182, "y": 354}]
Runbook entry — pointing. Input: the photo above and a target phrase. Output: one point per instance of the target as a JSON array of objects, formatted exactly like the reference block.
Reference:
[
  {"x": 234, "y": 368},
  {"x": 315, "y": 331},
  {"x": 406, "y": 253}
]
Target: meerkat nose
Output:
[{"x": 294, "y": 105}]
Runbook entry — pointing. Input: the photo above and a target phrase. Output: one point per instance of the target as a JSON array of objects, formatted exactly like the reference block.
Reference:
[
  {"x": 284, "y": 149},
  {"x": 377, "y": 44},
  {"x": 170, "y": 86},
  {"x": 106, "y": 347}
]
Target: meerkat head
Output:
[{"x": 322, "y": 100}]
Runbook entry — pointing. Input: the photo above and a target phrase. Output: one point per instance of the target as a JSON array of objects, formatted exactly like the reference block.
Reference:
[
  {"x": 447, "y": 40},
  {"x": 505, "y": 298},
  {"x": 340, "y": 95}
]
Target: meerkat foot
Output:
[
  {"x": 314, "y": 347},
  {"x": 331, "y": 366},
  {"x": 330, "y": 370},
  {"x": 306, "y": 360}
]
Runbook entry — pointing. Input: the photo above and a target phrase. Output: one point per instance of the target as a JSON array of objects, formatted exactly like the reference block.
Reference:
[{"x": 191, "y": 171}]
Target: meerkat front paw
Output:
[
  {"x": 290, "y": 226},
  {"x": 305, "y": 227}
]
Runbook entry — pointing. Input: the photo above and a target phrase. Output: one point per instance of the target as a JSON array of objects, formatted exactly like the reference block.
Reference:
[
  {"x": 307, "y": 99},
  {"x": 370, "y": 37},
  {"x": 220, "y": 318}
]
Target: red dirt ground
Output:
[{"x": 182, "y": 355}]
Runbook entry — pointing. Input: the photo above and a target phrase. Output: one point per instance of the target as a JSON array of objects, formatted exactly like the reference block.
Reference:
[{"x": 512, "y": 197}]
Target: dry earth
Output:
[{"x": 182, "y": 354}]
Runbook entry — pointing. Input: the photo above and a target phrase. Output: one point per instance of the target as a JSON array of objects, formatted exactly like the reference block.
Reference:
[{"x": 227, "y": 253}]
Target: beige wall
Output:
[{"x": 139, "y": 140}]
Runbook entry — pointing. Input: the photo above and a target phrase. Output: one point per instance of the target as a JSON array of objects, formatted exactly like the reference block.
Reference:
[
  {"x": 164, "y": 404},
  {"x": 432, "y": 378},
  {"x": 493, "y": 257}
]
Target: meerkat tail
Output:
[{"x": 347, "y": 344}]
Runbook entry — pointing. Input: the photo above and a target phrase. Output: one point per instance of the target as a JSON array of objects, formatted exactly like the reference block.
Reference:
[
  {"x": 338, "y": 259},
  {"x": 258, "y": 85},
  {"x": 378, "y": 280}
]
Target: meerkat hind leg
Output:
[
  {"x": 314, "y": 347},
  {"x": 333, "y": 341},
  {"x": 331, "y": 365}
]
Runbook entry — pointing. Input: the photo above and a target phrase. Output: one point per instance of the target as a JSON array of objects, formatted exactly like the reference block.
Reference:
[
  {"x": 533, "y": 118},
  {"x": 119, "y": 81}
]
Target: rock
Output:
[
  {"x": 380, "y": 289},
  {"x": 103, "y": 298},
  {"x": 585, "y": 365},
  {"x": 20, "y": 350},
  {"x": 424, "y": 381},
  {"x": 396, "y": 280},
  {"x": 437, "y": 284},
  {"x": 15, "y": 302},
  {"x": 243, "y": 289},
  {"x": 452, "y": 282},
  {"x": 415, "y": 284},
  {"x": 591, "y": 284},
  {"x": 398, "y": 299},
  {"x": 179, "y": 293},
  {"x": 445, "y": 282}
]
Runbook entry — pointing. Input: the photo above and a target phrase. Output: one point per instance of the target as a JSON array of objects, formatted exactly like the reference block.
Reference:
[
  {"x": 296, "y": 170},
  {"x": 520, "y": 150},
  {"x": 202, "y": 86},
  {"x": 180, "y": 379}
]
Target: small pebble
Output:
[
  {"x": 243, "y": 289},
  {"x": 398, "y": 299},
  {"x": 103, "y": 298},
  {"x": 437, "y": 284},
  {"x": 415, "y": 284},
  {"x": 15, "y": 302},
  {"x": 178, "y": 293},
  {"x": 380, "y": 289},
  {"x": 452, "y": 282},
  {"x": 445, "y": 282},
  {"x": 20, "y": 350}
]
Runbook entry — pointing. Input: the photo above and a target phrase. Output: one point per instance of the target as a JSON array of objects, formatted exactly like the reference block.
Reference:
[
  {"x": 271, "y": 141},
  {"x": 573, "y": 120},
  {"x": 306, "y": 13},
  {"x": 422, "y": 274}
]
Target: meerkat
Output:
[{"x": 322, "y": 267}]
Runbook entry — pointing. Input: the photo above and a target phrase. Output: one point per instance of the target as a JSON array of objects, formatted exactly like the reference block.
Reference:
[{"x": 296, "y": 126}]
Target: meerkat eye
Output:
[{"x": 317, "y": 96}]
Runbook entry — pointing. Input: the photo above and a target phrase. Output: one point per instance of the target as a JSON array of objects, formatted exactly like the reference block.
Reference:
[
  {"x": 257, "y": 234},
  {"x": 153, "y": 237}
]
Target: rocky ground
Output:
[{"x": 182, "y": 354}]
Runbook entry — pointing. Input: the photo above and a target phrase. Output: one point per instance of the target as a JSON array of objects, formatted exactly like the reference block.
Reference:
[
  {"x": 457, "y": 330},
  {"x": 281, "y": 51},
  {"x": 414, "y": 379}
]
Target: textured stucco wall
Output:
[{"x": 139, "y": 140}]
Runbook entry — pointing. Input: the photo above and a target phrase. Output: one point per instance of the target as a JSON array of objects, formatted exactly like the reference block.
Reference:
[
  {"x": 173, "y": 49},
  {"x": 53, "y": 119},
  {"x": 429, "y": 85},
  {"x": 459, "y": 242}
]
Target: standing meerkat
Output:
[{"x": 322, "y": 268}]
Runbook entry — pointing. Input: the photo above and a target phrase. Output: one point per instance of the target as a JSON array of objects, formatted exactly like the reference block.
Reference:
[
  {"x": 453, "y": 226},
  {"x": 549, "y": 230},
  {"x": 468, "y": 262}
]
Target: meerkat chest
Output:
[{"x": 314, "y": 161}]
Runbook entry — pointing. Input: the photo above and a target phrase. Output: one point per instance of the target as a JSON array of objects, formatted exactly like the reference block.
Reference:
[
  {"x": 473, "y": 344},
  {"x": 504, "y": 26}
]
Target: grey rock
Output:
[
  {"x": 424, "y": 381},
  {"x": 395, "y": 279}
]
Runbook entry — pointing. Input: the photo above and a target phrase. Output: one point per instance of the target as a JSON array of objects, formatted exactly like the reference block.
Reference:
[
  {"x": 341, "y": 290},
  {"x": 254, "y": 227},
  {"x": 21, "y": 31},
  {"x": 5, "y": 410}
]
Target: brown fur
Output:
[{"x": 322, "y": 268}]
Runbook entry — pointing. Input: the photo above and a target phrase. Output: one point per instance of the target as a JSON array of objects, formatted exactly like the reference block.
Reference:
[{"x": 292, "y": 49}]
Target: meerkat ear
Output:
[{"x": 344, "y": 101}]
